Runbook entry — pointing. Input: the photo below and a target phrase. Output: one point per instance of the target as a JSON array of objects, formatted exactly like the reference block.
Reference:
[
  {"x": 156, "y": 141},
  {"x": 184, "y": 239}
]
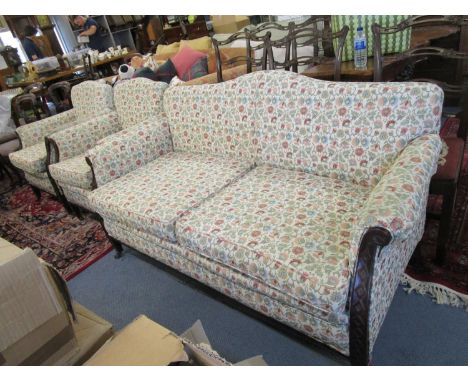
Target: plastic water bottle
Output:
[{"x": 360, "y": 50}]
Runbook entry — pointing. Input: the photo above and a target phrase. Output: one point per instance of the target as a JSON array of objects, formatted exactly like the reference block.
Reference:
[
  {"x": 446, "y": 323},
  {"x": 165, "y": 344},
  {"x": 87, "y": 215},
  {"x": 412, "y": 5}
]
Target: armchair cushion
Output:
[
  {"x": 153, "y": 197},
  {"x": 129, "y": 149},
  {"x": 74, "y": 172},
  {"x": 288, "y": 229},
  {"x": 31, "y": 159}
]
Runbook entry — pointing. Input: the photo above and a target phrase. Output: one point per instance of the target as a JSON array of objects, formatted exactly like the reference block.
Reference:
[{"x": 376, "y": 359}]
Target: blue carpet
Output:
[{"x": 415, "y": 332}]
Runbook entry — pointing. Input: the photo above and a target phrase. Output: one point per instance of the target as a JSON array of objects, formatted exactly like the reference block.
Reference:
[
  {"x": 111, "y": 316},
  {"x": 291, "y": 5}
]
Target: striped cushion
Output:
[{"x": 391, "y": 43}]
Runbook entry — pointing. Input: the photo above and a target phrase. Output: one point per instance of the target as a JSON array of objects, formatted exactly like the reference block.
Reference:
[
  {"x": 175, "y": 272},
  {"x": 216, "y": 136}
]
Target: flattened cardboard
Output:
[{"x": 141, "y": 343}]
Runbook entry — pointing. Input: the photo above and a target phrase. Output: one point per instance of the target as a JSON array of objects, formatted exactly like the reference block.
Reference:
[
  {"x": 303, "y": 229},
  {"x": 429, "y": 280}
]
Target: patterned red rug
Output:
[
  {"x": 447, "y": 284},
  {"x": 66, "y": 242}
]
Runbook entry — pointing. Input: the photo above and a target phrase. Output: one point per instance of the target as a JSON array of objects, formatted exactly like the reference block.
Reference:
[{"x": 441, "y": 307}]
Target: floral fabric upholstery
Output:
[
  {"x": 350, "y": 131},
  {"x": 153, "y": 197},
  {"x": 74, "y": 172},
  {"x": 82, "y": 137},
  {"x": 398, "y": 201},
  {"x": 213, "y": 119},
  {"x": 40, "y": 180},
  {"x": 288, "y": 229},
  {"x": 78, "y": 196},
  {"x": 30, "y": 159},
  {"x": 34, "y": 133},
  {"x": 129, "y": 149},
  {"x": 137, "y": 100},
  {"x": 91, "y": 98},
  {"x": 236, "y": 285}
]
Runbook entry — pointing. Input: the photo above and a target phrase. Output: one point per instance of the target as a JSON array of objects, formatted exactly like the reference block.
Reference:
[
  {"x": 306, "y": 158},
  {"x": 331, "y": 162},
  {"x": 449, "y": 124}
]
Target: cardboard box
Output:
[
  {"x": 91, "y": 332},
  {"x": 58, "y": 340},
  {"x": 143, "y": 342},
  {"x": 229, "y": 24},
  {"x": 35, "y": 328}
]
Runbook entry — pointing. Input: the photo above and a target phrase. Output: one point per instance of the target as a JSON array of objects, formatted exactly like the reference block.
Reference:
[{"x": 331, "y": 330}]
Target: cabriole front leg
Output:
[{"x": 372, "y": 242}]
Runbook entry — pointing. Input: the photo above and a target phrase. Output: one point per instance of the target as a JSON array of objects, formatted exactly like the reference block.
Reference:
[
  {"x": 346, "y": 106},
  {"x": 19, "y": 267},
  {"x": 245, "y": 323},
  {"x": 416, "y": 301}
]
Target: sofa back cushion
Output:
[
  {"x": 344, "y": 130},
  {"x": 215, "y": 119},
  {"x": 91, "y": 98},
  {"x": 137, "y": 100}
]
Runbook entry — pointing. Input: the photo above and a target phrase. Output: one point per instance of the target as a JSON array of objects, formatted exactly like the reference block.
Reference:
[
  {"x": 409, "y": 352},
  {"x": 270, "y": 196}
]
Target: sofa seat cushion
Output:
[
  {"x": 153, "y": 197},
  {"x": 288, "y": 229},
  {"x": 450, "y": 170},
  {"x": 74, "y": 172},
  {"x": 31, "y": 159}
]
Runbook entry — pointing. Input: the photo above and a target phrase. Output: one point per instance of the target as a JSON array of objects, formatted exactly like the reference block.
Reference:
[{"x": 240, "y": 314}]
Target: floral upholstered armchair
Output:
[
  {"x": 137, "y": 101},
  {"x": 92, "y": 106}
]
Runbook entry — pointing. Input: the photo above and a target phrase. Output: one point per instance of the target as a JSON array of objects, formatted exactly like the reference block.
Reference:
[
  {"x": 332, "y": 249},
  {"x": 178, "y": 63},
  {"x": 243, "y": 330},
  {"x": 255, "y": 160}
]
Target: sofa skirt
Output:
[
  {"x": 40, "y": 181},
  {"x": 235, "y": 285}
]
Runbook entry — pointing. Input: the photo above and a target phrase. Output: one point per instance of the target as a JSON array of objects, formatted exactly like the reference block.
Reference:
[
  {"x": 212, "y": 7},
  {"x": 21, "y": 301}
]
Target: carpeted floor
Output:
[
  {"x": 68, "y": 243},
  {"x": 415, "y": 332}
]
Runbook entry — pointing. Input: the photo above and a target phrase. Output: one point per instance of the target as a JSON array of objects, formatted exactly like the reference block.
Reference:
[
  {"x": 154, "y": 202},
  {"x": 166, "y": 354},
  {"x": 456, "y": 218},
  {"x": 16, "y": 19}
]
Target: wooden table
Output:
[
  {"x": 420, "y": 37},
  {"x": 67, "y": 72}
]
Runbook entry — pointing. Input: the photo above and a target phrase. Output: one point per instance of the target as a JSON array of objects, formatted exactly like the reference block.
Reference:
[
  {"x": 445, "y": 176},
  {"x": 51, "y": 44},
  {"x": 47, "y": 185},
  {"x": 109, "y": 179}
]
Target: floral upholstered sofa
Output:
[
  {"x": 92, "y": 106},
  {"x": 138, "y": 103},
  {"x": 302, "y": 199}
]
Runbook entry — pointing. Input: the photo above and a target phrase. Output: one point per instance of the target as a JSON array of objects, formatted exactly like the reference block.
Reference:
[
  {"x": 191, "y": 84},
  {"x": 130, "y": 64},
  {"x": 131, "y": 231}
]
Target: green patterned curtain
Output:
[{"x": 392, "y": 43}]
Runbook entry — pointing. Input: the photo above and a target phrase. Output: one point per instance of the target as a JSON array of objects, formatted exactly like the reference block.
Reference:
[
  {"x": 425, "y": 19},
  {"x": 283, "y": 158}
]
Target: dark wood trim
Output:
[
  {"x": 90, "y": 164},
  {"x": 361, "y": 286},
  {"x": 51, "y": 145}
]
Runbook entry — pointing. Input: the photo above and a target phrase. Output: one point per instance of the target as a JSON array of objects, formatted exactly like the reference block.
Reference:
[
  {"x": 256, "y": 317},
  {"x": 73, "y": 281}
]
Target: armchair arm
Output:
[
  {"x": 35, "y": 132},
  {"x": 398, "y": 202},
  {"x": 78, "y": 139},
  {"x": 121, "y": 153},
  {"x": 389, "y": 228}
]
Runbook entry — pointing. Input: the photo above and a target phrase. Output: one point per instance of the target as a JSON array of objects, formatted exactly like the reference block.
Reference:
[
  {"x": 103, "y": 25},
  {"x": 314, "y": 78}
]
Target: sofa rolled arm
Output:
[
  {"x": 398, "y": 201},
  {"x": 78, "y": 139},
  {"x": 129, "y": 149},
  {"x": 34, "y": 133}
]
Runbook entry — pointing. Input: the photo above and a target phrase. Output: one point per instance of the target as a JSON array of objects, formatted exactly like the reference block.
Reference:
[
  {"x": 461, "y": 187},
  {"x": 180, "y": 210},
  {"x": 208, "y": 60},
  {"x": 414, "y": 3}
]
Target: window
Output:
[{"x": 7, "y": 38}]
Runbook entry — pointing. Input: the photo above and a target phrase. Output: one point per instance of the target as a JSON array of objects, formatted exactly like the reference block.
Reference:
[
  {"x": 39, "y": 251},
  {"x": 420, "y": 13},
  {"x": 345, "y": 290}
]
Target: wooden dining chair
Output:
[
  {"x": 445, "y": 181},
  {"x": 60, "y": 95},
  {"x": 252, "y": 59},
  {"x": 321, "y": 39},
  {"x": 26, "y": 107}
]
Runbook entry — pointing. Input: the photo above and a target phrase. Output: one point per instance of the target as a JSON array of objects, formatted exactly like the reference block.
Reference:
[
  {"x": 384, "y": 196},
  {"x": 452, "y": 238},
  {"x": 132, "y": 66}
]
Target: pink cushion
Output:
[{"x": 184, "y": 59}]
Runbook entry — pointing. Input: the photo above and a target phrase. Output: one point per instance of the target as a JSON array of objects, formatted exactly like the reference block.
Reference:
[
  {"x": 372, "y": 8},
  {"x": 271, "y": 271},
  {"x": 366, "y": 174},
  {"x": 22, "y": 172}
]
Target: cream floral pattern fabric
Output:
[
  {"x": 235, "y": 285},
  {"x": 40, "y": 180},
  {"x": 74, "y": 171},
  {"x": 288, "y": 229},
  {"x": 77, "y": 140},
  {"x": 213, "y": 119},
  {"x": 78, "y": 196},
  {"x": 34, "y": 133},
  {"x": 130, "y": 149},
  {"x": 350, "y": 131},
  {"x": 30, "y": 159},
  {"x": 91, "y": 98},
  {"x": 137, "y": 100},
  {"x": 398, "y": 201},
  {"x": 154, "y": 196}
]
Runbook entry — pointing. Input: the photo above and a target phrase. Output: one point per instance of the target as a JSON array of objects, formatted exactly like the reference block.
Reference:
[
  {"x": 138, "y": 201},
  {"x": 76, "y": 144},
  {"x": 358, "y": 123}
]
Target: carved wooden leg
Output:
[
  {"x": 373, "y": 240},
  {"x": 117, "y": 246},
  {"x": 115, "y": 243},
  {"x": 36, "y": 191}
]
